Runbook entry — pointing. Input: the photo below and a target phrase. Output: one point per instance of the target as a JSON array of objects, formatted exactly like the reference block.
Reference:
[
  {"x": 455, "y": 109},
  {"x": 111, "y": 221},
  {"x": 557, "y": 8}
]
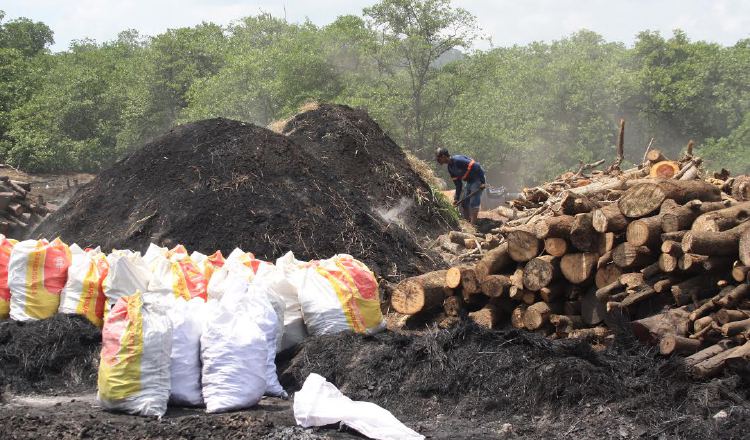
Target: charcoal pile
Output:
[
  {"x": 59, "y": 354},
  {"x": 18, "y": 213},
  {"x": 217, "y": 184},
  {"x": 660, "y": 245}
]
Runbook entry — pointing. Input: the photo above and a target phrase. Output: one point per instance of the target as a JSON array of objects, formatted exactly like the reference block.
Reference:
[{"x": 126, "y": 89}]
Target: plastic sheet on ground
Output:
[{"x": 320, "y": 403}]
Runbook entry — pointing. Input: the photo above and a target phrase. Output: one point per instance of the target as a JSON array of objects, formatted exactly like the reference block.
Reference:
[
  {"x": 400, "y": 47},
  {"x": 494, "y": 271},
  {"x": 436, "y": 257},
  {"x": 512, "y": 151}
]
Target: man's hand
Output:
[
  {"x": 483, "y": 186},
  {"x": 455, "y": 203}
]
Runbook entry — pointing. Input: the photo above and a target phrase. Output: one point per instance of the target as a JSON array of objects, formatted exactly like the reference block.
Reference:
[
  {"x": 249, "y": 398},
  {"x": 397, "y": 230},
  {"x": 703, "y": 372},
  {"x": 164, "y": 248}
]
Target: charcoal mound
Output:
[
  {"x": 219, "y": 184},
  {"x": 536, "y": 383},
  {"x": 59, "y": 354}
]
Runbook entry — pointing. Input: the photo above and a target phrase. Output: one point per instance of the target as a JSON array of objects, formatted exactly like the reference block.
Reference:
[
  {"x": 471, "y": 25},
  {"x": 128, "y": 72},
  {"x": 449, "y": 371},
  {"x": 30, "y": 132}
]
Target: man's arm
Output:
[{"x": 459, "y": 186}]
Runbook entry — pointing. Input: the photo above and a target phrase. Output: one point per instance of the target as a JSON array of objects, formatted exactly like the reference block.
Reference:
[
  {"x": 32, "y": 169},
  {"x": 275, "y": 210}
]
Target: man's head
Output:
[{"x": 442, "y": 156}]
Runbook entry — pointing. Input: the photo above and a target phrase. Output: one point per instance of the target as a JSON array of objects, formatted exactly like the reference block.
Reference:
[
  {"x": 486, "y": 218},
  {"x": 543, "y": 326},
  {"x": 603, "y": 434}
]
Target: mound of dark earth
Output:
[
  {"x": 220, "y": 184},
  {"x": 475, "y": 381}
]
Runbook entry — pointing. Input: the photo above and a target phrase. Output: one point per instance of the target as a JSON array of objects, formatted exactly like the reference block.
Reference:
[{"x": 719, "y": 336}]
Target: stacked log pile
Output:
[
  {"x": 18, "y": 213},
  {"x": 659, "y": 245}
]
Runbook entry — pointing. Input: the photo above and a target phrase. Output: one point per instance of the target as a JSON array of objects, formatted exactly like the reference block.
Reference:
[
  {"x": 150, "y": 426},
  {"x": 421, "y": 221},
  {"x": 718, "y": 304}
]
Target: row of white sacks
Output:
[{"x": 39, "y": 278}]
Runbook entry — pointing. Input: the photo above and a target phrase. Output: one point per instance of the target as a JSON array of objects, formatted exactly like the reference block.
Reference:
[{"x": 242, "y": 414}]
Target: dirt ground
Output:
[{"x": 54, "y": 188}]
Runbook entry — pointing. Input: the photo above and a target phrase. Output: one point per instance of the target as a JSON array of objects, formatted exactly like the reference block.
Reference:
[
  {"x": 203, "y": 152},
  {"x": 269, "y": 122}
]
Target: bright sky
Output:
[{"x": 507, "y": 22}]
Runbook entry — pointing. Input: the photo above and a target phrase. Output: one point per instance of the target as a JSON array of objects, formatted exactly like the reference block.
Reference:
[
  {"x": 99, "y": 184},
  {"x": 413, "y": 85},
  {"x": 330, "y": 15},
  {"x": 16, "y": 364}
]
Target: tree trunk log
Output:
[
  {"x": 516, "y": 317},
  {"x": 707, "y": 353},
  {"x": 712, "y": 366},
  {"x": 643, "y": 199},
  {"x": 573, "y": 204},
  {"x": 739, "y": 272},
  {"x": 672, "y": 344},
  {"x": 540, "y": 271},
  {"x": 683, "y": 217},
  {"x": 714, "y": 243},
  {"x": 554, "y": 227},
  {"x": 652, "y": 329},
  {"x": 605, "y": 275},
  {"x": 577, "y": 268},
  {"x": 421, "y": 293},
  {"x": 696, "y": 288},
  {"x": 741, "y": 188},
  {"x": 744, "y": 248},
  {"x": 523, "y": 245},
  {"x": 494, "y": 262},
  {"x": 725, "y": 316},
  {"x": 735, "y": 327},
  {"x": 453, "y": 305},
  {"x": 488, "y": 317},
  {"x": 583, "y": 235},
  {"x": 592, "y": 310},
  {"x": 629, "y": 257},
  {"x": 536, "y": 316},
  {"x": 609, "y": 219},
  {"x": 723, "y": 219},
  {"x": 557, "y": 247},
  {"x": 645, "y": 232},
  {"x": 494, "y": 286},
  {"x": 672, "y": 236}
]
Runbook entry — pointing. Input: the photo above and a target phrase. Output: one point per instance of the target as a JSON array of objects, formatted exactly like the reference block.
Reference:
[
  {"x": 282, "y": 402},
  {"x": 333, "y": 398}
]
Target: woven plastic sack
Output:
[
  {"x": 208, "y": 264},
  {"x": 339, "y": 294},
  {"x": 187, "y": 325},
  {"x": 135, "y": 358},
  {"x": 234, "y": 355},
  {"x": 128, "y": 273},
  {"x": 6, "y": 246},
  {"x": 83, "y": 293},
  {"x": 37, "y": 272},
  {"x": 175, "y": 273}
]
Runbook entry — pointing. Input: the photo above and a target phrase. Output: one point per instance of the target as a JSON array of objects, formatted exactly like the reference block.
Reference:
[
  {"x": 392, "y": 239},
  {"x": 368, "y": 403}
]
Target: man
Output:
[{"x": 464, "y": 169}]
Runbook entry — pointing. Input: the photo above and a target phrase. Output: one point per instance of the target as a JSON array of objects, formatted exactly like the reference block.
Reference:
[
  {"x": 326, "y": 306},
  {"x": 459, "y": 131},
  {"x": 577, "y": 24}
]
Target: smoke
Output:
[{"x": 396, "y": 215}]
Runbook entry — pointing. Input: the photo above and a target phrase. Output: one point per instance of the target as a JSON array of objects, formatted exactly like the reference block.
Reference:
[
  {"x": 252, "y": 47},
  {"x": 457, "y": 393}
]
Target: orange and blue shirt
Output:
[{"x": 464, "y": 169}]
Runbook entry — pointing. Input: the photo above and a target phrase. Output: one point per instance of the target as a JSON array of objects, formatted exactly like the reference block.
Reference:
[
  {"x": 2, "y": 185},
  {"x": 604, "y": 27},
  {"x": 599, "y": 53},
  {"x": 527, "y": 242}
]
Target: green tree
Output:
[
  {"x": 415, "y": 34},
  {"x": 27, "y": 36}
]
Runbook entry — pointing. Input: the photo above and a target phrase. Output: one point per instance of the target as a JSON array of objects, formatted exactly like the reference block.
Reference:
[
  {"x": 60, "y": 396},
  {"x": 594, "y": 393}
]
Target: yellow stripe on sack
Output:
[
  {"x": 344, "y": 299},
  {"x": 179, "y": 285},
  {"x": 369, "y": 309},
  {"x": 87, "y": 305},
  {"x": 40, "y": 303},
  {"x": 356, "y": 300},
  {"x": 120, "y": 375}
]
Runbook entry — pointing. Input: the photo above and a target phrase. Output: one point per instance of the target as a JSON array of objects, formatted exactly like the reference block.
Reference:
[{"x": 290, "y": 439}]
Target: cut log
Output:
[
  {"x": 655, "y": 156},
  {"x": 666, "y": 169},
  {"x": 664, "y": 285},
  {"x": 494, "y": 286},
  {"x": 629, "y": 257},
  {"x": 741, "y": 188},
  {"x": 583, "y": 235},
  {"x": 516, "y": 317},
  {"x": 735, "y": 327},
  {"x": 639, "y": 296},
  {"x": 572, "y": 204},
  {"x": 540, "y": 271},
  {"x": 523, "y": 245},
  {"x": 739, "y": 272},
  {"x": 644, "y": 199},
  {"x": 709, "y": 305},
  {"x": 739, "y": 360},
  {"x": 696, "y": 288},
  {"x": 632, "y": 280},
  {"x": 706, "y": 263},
  {"x": 651, "y": 270},
  {"x": 528, "y": 297},
  {"x": 606, "y": 275},
  {"x": 516, "y": 293},
  {"x": 489, "y": 317},
  {"x": 590, "y": 334},
  {"x": 578, "y": 268},
  {"x": 557, "y": 247},
  {"x": 671, "y": 247},
  {"x": 672, "y": 236},
  {"x": 554, "y": 227},
  {"x": 494, "y": 262},
  {"x": 714, "y": 243},
  {"x": 469, "y": 283},
  {"x": 683, "y": 217},
  {"x": 536, "y": 316},
  {"x": 605, "y": 293},
  {"x": 652, "y": 329},
  {"x": 607, "y": 242},
  {"x": 723, "y": 219},
  {"x": 15, "y": 209},
  {"x": 707, "y": 353},
  {"x": 421, "y": 293},
  {"x": 564, "y": 324},
  {"x": 672, "y": 344},
  {"x": 725, "y": 316},
  {"x": 471, "y": 243},
  {"x": 734, "y": 297},
  {"x": 645, "y": 232},
  {"x": 711, "y": 366},
  {"x": 702, "y": 323},
  {"x": 453, "y": 277},
  {"x": 668, "y": 263},
  {"x": 609, "y": 219},
  {"x": 459, "y": 237},
  {"x": 744, "y": 248}
]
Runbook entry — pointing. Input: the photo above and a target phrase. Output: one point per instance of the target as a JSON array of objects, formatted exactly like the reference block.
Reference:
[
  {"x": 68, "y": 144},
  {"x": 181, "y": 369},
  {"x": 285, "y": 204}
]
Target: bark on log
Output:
[
  {"x": 592, "y": 310},
  {"x": 583, "y": 235},
  {"x": 652, "y": 329},
  {"x": 672, "y": 344},
  {"x": 712, "y": 366},
  {"x": 714, "y": 243},
  {"x": 725, "y": 316},
  {"x": 706, "y": 263},
  {"x": 707, "y": 353},
  {"x": 488, "y": 317},
  {"x": 552, "y": 293},
  {"x": 645, "y": 232},
  {"x": 722, "y": 219},
  {"x": 540, "y": 271},
  {"x": 735, "y": 327},
  {"x": 696, "y": 288},
  {"x": 557, "y": 247},
  {"x": 639, "y": 296},
  {"x": 739, "y": 360},
  {"x": 654, "y": 155},
  {"x": 516, "y": 317},
  {"x": 739, "y": 272},
  {"x": 523, "y": 244},
  {"x": 672, "y": 248},
  {"x": 494, "y": 286},
  {"x": 453, "y": 277},
  {"x": 494, "y": 262},
  {"x": 629, "y": 257},
  {"x": 554, "y": 227},
  {"x": 609, "y": 219},
  {"x": 702, "y": 323},
  {"x": 607, "y": 242},
  {"x": 564, "y": 324},
  {"x": 573, "y": 204},
  {"x": 459, "y": 237},
  {"x": 709, "y": 305},
  {"x": 420, "y": 293},
  {"x": 453, "y": 305},
  {"x": 668, "y": 263},
  {"x": 644, "y": 199},
  {"x": 592, "y": 334},
  {"x": 651, "y": 270},
  {"x": 744, "y": 248},
  {"x": 683, "y": 217},
  {"x": 578, "y": 268},
  {"x": 672, "y": 236},
  {"x": 741, "y": 188}
]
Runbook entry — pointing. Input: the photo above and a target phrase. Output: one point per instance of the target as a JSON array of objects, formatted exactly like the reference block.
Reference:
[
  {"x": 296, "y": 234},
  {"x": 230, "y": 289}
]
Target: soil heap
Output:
[
  {"x": 220, "y": 184},
  {"x": 470, "y": 379}
]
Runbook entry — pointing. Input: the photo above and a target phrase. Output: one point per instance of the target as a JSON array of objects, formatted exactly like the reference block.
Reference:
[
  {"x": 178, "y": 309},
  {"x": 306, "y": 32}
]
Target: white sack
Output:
[
  {"x": 127, "y": 274},
  {"x": 234, "y": 355},
  {"x": 187, "y": 324},
  {"x": 320, "y": 403}
]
